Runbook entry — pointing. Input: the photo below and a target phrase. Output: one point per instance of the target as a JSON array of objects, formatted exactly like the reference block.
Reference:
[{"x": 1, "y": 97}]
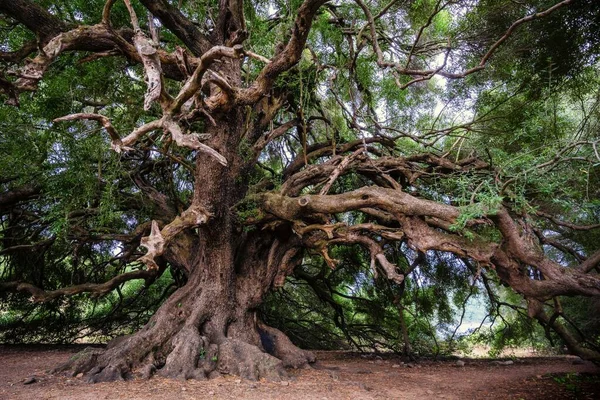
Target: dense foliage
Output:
[{"x": 484, "y": 114}]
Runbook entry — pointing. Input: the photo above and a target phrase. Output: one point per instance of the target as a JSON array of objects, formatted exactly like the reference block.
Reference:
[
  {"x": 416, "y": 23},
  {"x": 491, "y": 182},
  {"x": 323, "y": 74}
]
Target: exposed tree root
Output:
[
  {"x": 83, "y": 361},
  {"x": 182, "y": 362},
  {"x": 278, "y": 344},
  {"x": 248, "y": 361},
  {"x": 575, "y": 345},
  {"x": 189, "y": 355}
]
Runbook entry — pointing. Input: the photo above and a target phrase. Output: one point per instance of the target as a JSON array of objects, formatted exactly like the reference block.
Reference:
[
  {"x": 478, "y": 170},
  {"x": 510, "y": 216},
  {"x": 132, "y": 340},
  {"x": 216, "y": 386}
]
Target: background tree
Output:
[{"x": 443, "y": 143}]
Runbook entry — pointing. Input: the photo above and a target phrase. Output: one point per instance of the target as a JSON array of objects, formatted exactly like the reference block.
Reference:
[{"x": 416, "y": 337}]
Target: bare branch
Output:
[
  {"x": 287, "y": 264},
  {"x": 35, "y": 18},
  {"x": 150, "y": 59},
  {"x": 558, "y": 245},
  {"x": 106, "y": 11},
  {"x": 592, "y": 262},
  {"x": 217, "y": 80},
  {"x": 568, "y": 224},
  {"x": 338, "y": 170},
  {"x": 19, "y": 55},
  {"x": 325, "y": 149},
  {"x": 257, "y": 56},
  {"x": 32, "y": 72},
  {"x": 133, "y": 16},
  {"x": 521, "y": 247},
  {"x": 262, "y": 142},
  {"x": 341, "y": 233},
  {"x": 535, "y": 309},
  {"x": 39, "y": 295},
  {"x": 191, "y": 141},
  {"x": 130, "y": 139},
  {"x": 392, "y": 201},
  {"x": 116, "y": 144}
]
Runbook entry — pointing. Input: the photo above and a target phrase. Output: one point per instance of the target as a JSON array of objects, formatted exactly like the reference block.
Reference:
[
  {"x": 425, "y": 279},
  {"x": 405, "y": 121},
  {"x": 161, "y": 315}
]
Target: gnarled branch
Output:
[
  {"x": 39, "y": 295},
  {"x": 158, "y": 240}
]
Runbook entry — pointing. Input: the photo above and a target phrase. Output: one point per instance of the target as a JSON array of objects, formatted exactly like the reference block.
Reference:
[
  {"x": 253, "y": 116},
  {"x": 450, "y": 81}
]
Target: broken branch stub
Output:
[{"x": 155, "y": 244}]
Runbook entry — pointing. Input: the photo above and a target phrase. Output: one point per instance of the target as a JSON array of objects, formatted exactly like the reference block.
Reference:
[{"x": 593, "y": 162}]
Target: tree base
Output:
[
  {"x": 189, "y": 355},
  {"x": 207, "y": 328}
]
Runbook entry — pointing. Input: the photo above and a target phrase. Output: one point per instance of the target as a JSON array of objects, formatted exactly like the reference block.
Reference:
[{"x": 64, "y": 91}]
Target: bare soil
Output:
[{"x": 337, "y": 375}]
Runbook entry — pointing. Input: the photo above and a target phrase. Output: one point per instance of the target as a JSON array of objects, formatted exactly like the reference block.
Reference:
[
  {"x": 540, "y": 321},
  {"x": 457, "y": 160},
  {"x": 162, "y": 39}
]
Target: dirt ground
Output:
[{"x": 336, "y": 376}]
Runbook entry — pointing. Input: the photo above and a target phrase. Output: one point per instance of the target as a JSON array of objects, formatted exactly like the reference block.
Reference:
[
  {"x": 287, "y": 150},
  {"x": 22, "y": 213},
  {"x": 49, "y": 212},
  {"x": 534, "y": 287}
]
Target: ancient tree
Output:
[{"x": 245, "y": 136}]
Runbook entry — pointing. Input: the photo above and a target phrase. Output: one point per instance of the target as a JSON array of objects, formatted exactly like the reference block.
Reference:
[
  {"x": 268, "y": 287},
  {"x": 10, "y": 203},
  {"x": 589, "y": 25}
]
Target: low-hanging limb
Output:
[
  {"x": 509, "y": 258},
  {"x": 535, "y": 309},
  {"x": 39, "y": 295},
  {"x": 516, "y": 251}
]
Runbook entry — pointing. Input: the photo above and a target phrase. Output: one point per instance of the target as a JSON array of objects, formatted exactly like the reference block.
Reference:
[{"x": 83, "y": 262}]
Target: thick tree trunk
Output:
[{"x": 207, "y": 328}]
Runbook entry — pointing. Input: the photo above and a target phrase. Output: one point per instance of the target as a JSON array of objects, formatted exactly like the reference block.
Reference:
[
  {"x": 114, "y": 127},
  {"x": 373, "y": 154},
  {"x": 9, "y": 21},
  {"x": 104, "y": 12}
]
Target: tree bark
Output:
[{"x": 210, "y": 327}]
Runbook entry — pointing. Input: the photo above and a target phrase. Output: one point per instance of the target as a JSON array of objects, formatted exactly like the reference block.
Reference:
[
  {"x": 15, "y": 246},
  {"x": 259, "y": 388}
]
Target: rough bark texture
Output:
[
  {"x": 206, "y": 328},
  {"x": 210, "y": 326}
]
